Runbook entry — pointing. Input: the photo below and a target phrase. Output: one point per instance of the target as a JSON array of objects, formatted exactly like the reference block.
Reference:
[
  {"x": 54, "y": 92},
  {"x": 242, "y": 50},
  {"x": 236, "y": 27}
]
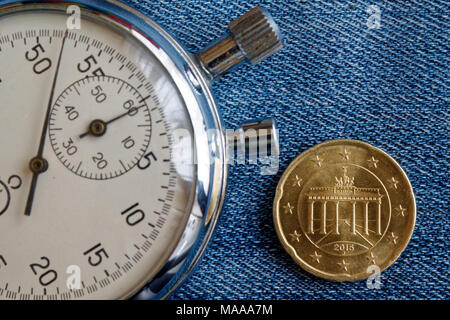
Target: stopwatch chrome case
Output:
[{"x": 252, "y": 37}]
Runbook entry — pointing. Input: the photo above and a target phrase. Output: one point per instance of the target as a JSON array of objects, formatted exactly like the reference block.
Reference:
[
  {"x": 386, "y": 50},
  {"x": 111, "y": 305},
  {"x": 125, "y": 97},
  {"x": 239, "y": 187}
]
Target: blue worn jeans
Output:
[{"x": 375, "y": 71}]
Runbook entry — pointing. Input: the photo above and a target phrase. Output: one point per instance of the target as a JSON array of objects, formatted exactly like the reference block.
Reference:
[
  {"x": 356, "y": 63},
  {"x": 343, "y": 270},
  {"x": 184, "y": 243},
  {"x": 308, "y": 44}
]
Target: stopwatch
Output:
[{"x": 114, "y": 157}]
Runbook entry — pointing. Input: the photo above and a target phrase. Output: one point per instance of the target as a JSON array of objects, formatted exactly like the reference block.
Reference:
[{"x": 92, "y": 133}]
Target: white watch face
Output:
[{"x": 113, "y": 202}]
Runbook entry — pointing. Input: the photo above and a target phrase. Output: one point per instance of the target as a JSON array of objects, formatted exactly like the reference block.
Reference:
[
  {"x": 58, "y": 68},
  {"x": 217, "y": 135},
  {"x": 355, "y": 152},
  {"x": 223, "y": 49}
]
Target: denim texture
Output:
[{"x": 336, "y": 78}]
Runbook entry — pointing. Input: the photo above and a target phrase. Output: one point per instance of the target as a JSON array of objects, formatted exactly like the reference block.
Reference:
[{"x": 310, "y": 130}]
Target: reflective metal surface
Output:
[
  {"x": 255, "y": 138},
  {"x": 254, "y": 36}
]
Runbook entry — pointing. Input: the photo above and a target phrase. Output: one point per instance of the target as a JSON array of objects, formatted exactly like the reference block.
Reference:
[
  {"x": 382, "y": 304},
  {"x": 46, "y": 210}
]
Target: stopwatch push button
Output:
[
  {"x": 255, "y": 139},
  {"x": 253, "y": 36}
]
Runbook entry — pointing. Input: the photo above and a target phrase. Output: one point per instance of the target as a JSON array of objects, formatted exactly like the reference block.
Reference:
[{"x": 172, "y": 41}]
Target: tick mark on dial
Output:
[
  {"x": 120, "y": 89},
  {"x": 123, "y": 165},
  {"x": 79, "y": 166},
  {"x": 145, "y": 99}
]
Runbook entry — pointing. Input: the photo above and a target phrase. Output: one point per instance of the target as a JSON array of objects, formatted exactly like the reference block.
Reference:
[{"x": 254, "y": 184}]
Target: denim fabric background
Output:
[{"x": 336, "y": 78}]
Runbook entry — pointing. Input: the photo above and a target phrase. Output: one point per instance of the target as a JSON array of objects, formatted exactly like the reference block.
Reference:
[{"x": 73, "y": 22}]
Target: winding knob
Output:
[{"x": 254, "y": 36}]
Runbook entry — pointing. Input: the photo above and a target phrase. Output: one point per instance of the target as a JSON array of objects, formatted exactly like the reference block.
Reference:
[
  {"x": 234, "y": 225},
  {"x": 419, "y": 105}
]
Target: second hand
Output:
[{"x": 38, "y": 164}]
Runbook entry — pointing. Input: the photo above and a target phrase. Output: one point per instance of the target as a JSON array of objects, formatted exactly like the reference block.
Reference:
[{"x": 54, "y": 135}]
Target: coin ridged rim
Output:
[{"x": 397, "y": 251}]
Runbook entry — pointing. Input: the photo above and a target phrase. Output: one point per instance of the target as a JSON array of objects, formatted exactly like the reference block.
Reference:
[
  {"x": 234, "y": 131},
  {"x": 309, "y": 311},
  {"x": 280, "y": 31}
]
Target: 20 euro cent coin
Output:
[{"x": 344, "y": 210}]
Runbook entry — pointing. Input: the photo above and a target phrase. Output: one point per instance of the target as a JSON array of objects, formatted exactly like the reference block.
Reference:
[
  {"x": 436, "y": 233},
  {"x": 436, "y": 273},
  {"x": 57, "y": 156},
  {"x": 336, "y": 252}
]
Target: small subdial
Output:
[{"x": 100, "y": 127}]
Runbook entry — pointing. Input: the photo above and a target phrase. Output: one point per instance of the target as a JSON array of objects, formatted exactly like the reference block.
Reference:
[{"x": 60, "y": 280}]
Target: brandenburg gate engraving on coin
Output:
[{"x": 344, "y": 214}]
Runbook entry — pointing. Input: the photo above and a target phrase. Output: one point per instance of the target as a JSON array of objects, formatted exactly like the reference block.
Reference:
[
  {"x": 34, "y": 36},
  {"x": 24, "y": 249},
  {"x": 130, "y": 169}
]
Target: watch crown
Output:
[{"x": 256, "y": 34}]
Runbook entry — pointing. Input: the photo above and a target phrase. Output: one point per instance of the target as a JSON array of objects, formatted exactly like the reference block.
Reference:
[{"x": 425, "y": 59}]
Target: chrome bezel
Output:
[{"x": 211, "y": 169}]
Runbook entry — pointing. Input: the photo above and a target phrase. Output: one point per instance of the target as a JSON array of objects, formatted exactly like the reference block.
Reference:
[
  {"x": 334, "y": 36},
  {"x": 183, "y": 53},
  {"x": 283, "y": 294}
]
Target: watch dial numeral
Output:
[
  {"x": 2, "y": 262},
  {"x": 96, "y": 255},
  {"x": 34, "y": 53},
  {"x": 133, "y": 215},
  {"x": 45, "y": 278},
  {"x": 128, "y": 143},
  {"x": 129, "y": 105},
  {"x": 15, "y": 182},
  {"x": 41, "y": 65},
  {"x": 72, "y": 114},
  {"x": 87, "y": 63},
  {"x": 98, "y": 94},
  {"x": 146, "y": 161},
  {"x": 100, "y": 161},
  {"x": 71, "y": 149}
]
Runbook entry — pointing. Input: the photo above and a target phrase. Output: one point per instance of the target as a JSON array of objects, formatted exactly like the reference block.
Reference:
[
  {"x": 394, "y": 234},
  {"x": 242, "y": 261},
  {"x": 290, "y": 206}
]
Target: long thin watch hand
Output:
[
  {"x": 38, "y": 164},
  {"x": 97, "y": 127}
]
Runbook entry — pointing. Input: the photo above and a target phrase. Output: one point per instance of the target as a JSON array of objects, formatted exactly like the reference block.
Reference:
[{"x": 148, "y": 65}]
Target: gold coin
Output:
[{"x": 344, "y": 210}]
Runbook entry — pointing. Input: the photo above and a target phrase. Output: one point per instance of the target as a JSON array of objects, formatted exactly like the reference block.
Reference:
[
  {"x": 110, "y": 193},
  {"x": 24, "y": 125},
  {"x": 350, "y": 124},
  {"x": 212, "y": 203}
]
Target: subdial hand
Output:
[
  {"x": 38, "y": 164},
  {"x": 97, "y": 128}
]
